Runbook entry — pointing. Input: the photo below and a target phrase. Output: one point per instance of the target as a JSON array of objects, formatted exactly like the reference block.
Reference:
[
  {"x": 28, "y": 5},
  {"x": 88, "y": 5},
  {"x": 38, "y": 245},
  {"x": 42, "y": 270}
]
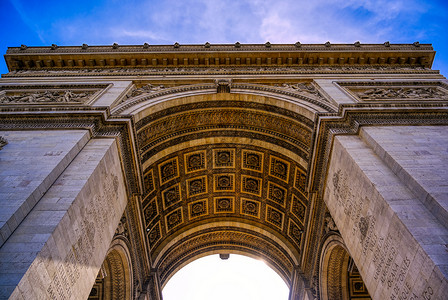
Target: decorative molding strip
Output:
[
  {"x": 225, "y": 70},
  {"x": 228, "y": 238},
  {"x": 237, "y": 47},
  {"x": 99, "y": 57}
]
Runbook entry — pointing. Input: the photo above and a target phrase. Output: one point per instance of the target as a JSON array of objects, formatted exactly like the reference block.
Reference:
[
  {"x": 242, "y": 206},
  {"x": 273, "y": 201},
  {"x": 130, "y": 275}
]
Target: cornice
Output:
[
  {"x": 94, "y": 119},
  {"x": 352, "y": 116},
  {"x": 237, "y": 55}
]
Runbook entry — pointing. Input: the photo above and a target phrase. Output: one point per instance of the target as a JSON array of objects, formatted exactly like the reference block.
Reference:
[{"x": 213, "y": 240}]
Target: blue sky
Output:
[{"x": 44, "y": 22}]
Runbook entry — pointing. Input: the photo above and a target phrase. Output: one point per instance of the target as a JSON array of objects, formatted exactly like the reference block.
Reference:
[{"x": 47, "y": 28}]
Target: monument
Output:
[{"x": 120, "y": 164}]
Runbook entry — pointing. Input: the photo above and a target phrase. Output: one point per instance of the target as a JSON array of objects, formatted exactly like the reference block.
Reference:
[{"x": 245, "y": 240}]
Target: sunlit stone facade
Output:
[{"x": 119, "y": 165}]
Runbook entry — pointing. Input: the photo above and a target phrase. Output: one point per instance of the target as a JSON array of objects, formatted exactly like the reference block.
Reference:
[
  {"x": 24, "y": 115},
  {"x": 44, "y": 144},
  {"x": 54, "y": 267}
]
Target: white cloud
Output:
[
  {"x": 247, "y": 21},
  {"x": 134, "y": 33}
]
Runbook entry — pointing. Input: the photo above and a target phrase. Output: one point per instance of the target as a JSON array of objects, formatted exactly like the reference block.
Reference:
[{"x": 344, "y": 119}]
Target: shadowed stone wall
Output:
[
  {"x": 57, "y": 250},
  {"x": 386, "y": 194}
]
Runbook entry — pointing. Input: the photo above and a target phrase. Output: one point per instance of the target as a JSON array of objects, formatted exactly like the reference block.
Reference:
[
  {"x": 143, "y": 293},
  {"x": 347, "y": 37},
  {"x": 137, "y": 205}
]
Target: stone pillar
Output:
[
  {"x": 298, "y": 289},
  {"x": 58, "y": 248},
  {"x": 386, "y": 190},
  {"x": 153, "y": 288},
  {"x": 29, "y": 164}
]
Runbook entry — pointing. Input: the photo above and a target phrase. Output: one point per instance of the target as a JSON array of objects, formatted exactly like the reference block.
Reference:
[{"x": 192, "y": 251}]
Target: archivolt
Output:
[
  {"x": 117, "y": 272},
  {"x": 135, "y": 104},
  {"x": 226, "y": 237}
]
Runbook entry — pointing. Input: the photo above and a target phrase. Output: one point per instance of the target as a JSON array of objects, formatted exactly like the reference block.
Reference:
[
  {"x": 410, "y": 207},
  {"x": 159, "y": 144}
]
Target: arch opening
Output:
[
  {"x": 225, "y": 172},
  {"x": 241, "y": 276},
  {"x": 339, "y": 276},
  {"x": 114, "y": 280}
]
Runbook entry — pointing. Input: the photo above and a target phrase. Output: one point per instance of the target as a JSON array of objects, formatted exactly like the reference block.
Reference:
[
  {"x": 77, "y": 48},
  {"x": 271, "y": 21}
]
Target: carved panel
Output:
[
  {"x": 224, "y": 158},
  {"x": 171, "y": 196},
  {"x": 298, "y": 208},
  {"x": 151, "y": 211},
  {"x": 168, "y": 170},
  {"x": 251, "y": 185},
  {"x": 300, "y": 180},
  {"x": 196, "y": 186},
  {"x": 250, "y": 207},
  {"x": 294, "y": 232},
  {"x": 195, "y": 161},
  {"x": 279, "y": 168},
  {"x": 50, "y": 94},
  {"x": 252, "y": 160},
  {"x": 306, "y": 89},
  {"x": 174, "y": 219},
  {"x": 274, "y": 216},
  {"x": 146, "y": 89},
  {"x": 148, "y": 181},
  {"x": 397, "y": 91},
  {"x": 155, "y": 234},
  {"x": 198, "y": 208},
  {"x": 224, "y": 204},
  {"x": 277, "y": 194},
  {"x": 224, "y": 183}
]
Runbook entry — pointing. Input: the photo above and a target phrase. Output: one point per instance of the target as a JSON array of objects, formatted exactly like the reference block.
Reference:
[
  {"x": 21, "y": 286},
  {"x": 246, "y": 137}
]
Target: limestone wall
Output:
[
  {"x": 57, "y": 250},
  {"x": 390, "y": 230},
  {"x": 29, "y": 165}
]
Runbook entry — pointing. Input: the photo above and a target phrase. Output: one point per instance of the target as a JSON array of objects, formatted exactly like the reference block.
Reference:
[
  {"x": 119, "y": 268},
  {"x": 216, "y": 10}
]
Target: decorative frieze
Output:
[
  {"x": 49, "y": 94},
  {"x": 397, "y": 91}
]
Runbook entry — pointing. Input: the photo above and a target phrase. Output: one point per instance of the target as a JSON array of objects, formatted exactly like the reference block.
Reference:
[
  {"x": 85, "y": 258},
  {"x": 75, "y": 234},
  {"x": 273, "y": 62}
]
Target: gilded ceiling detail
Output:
[{"x": 229, "y": 181}]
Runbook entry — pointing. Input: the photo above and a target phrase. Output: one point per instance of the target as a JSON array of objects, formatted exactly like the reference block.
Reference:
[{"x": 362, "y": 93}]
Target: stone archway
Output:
[
  {"x": 339, "y": 277},
  {"x": 224, "y": 171},
  {"x": 114, "y": 280}
]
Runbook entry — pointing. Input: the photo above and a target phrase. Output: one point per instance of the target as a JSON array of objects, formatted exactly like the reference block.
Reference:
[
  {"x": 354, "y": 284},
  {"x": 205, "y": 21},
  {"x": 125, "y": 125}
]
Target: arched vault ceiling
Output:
[
  {"x": 222, "y": 161},
  {"x": 226, "y": 182},
  {"x": 285, "y": 128}
]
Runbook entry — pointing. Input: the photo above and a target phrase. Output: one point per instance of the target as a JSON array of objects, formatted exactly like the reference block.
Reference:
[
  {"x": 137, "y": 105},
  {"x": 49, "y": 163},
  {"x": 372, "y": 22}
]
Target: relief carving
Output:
[
  {"x": 306, "y": 69},
  {"x": 122, "y": 228},
  {"x": 3, "y": 142},
  {"x": 329, "y": 224},
  {"x": 47, "y": 97},
  {"x": 223, "y": 85},
  {"x": 146, "y": 89},
  {"x": 402, "y": 93},
  {"x": 305, "y": 89}
]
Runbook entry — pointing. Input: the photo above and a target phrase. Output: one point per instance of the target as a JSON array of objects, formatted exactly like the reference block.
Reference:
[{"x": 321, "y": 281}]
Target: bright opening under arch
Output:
[{"x": 239, "y": 277}]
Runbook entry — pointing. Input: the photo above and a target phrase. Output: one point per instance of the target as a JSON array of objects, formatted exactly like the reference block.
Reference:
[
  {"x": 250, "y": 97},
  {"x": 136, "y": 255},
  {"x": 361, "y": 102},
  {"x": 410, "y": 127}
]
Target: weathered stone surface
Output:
[
  {"x": 383, "y": 224},
  {"x": 415, "y": 154},
  {"x": 30, "y": 164},
  {"x": 57, "y": 250}
]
